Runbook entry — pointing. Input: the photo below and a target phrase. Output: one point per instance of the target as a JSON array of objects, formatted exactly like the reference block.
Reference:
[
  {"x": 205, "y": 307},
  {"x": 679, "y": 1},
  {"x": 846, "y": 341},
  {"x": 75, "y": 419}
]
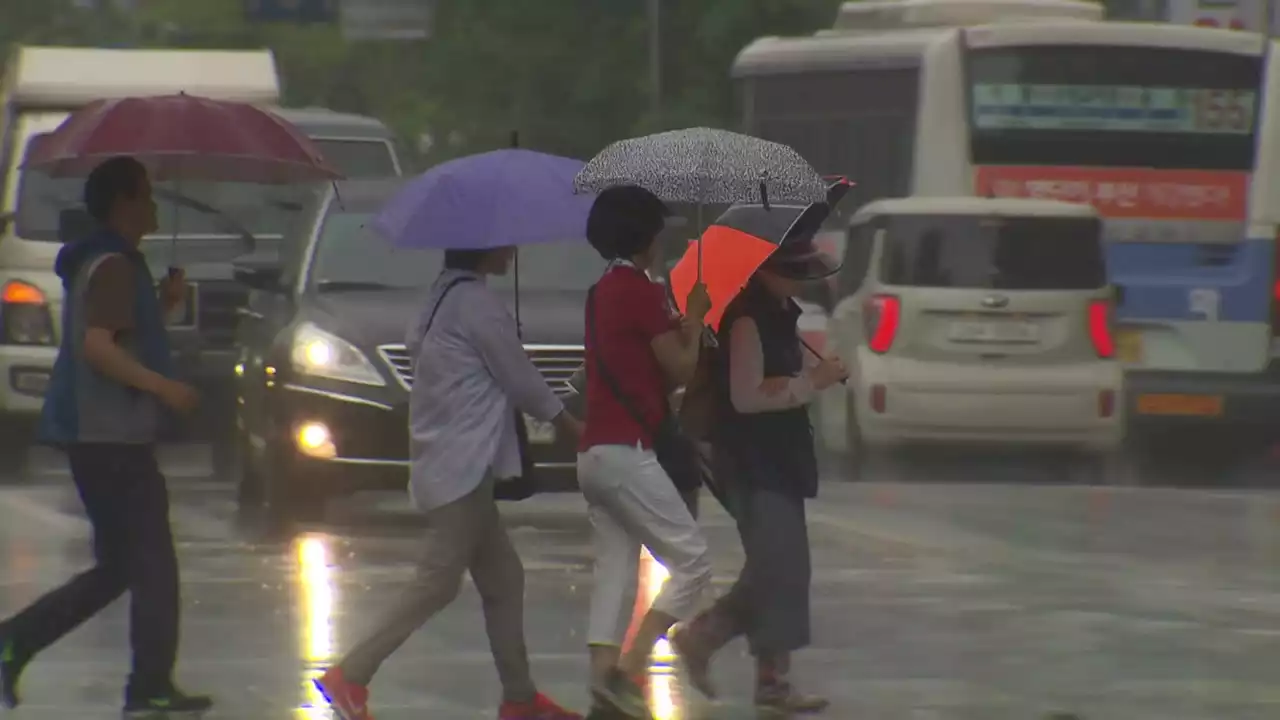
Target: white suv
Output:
[{"x": 978, "y": 322}]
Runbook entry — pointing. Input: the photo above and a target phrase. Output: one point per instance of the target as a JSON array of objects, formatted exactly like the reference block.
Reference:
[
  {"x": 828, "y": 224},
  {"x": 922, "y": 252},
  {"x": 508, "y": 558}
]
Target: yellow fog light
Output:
[{"x": 314, "y": 440}]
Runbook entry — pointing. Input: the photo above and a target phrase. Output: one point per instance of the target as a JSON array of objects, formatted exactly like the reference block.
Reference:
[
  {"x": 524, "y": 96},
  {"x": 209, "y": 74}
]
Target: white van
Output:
[
  {"x": 984, "y": 323},
  {"x": 40, "y": 87},
  {"x": 358, "y": 146}
]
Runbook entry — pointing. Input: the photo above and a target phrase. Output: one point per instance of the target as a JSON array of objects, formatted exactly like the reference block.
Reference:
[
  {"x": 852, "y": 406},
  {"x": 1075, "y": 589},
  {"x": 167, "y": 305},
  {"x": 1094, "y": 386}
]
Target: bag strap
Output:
[
  {"x": 443, "y": 294},
  {"x": 436, "y": 308},
  {"x": 603, "y": 369}
]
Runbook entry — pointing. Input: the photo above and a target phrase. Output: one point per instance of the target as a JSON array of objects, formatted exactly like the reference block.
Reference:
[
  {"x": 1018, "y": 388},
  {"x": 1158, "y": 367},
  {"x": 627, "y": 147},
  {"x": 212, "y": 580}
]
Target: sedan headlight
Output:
[{"x": 323, "y": 354}]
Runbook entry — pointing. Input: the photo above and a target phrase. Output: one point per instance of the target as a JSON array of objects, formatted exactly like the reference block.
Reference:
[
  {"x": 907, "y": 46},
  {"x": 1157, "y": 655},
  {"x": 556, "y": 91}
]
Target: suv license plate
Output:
[
  {"x": 540, "y": 433},
  {"x": 994, "y": 332}
]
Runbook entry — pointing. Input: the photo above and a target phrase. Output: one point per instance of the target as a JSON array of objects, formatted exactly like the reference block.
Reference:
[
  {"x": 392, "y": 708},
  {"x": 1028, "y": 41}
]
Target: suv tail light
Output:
[
  {"x": 1100, "y": 331},
  {"x": 879, "y": 398},
  {"x": 1106, "y": 403},
  {"x": 881, "y": 314}
]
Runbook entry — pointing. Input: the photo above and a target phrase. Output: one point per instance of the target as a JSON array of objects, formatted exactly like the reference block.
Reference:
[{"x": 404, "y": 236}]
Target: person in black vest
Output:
[{"x": 763, "y": 449}]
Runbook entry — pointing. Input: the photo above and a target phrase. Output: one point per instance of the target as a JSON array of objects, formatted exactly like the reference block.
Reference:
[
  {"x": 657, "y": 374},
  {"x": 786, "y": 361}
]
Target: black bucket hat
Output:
[{"x": 798, "y": 256}]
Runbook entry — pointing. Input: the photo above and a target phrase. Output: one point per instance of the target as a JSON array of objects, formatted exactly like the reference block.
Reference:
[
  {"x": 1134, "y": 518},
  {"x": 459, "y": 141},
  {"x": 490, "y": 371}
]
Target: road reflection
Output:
[
  {"x": 663, "y": 685},
  {"x": 317, "y": 597}
]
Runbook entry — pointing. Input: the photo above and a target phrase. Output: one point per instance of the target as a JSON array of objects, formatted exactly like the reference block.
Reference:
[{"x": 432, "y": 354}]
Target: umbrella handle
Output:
[
  {"x": 698, "y": 229},
  {"x": 819, "y": 355}
]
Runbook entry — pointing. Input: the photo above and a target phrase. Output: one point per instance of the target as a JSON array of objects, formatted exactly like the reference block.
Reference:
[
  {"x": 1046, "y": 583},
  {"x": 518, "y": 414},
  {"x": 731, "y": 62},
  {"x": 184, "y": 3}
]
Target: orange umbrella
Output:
[{"x": 735, "y": 246}]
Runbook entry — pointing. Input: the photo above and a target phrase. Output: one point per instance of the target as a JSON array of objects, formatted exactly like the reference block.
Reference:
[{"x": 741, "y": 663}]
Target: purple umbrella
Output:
[{"x": 494, "y": 199}]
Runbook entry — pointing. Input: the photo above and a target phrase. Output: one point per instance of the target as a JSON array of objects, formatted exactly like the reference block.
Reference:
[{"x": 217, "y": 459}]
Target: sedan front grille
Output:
[
  {"x": 397, "y": 358},
  {"x": 557, "y": 363}
]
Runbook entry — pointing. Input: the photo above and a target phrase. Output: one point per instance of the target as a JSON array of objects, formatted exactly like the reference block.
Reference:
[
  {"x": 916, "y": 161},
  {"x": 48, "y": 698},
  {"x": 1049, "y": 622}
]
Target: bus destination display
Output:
[{"x": 1019, "y": 106}]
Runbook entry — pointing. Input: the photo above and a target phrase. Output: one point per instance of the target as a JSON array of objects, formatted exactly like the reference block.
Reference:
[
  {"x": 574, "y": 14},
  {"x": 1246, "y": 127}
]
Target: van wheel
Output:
[
  {"x": 15, "y": 448},
  {"x": 225, "y": 458},
  {"x": 249, "y": 485},
  {"x": 1116, "y": 469}
]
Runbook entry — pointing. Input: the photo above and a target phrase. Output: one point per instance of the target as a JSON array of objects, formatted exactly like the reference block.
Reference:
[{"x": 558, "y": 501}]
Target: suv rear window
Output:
[
  {"x": 1006, "y": 253},
  {"x": 356, "y": 159}
]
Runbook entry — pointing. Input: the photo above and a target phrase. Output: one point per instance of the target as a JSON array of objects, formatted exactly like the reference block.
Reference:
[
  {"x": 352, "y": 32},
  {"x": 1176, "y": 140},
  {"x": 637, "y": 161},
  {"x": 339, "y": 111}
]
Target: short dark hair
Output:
[
  {"x": 465, "y": 260},
  {"x": 119, "y": 177},
  {"x": 624, "y": 221}
]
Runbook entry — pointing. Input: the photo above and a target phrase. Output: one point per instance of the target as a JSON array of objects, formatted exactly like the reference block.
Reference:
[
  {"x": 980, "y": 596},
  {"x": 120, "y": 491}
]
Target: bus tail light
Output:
[
  {"x": 882, "y": 315},
  {"x": 1100, "y": 330}
]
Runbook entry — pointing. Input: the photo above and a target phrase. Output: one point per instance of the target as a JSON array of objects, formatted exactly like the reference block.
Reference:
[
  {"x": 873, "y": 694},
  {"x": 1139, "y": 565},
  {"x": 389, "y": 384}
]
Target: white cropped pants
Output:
[{"x": 633, "y": 503}]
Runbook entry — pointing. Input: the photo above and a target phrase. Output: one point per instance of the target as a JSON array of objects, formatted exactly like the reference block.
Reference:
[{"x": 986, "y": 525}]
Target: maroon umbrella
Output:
[{"x": 183, "y": 137}]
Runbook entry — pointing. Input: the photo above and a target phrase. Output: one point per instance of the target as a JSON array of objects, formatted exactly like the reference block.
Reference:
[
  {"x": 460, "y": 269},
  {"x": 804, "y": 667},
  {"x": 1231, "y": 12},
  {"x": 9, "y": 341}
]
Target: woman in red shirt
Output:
[{"x": 637, "y": 347}]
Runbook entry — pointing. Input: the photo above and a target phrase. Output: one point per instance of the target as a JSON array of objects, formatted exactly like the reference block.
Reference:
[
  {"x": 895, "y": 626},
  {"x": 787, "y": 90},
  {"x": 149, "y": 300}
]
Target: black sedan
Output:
[{"x": 323, "y": 376}]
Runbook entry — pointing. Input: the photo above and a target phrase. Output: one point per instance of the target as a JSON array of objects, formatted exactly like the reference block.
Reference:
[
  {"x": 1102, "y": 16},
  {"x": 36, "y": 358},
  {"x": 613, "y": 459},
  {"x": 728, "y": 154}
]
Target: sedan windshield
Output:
[{"x": 350, "y": 256}]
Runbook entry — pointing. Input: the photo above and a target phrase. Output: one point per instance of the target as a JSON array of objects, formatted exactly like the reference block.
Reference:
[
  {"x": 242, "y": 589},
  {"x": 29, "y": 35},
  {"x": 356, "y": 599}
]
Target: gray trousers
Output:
[
  {"x": 465, "y": 535},
  {"x": 770, "y": 601}
]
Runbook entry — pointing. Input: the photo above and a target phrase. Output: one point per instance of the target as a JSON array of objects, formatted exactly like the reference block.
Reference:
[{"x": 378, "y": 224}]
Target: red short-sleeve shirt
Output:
[{"x": 630, "y": 311}]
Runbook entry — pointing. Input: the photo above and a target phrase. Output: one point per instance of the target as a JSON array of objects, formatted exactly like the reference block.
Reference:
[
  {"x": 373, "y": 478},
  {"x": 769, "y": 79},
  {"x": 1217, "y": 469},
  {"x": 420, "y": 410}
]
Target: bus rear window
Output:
[
  {"x": 1113, "y": 107},
  {"x": 1004, "y": 253}
]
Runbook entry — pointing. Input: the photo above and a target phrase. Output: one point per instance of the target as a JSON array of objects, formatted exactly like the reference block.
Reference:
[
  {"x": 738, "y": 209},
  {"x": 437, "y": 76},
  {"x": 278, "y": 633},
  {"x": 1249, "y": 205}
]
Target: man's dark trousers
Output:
[{"x": 127, "y": 503}]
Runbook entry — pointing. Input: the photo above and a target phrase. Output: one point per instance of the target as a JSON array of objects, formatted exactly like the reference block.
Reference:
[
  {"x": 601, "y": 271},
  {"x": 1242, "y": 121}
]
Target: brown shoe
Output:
[
  {"x": 781, "y": 698},
  {"x": 696, "y": 660}
]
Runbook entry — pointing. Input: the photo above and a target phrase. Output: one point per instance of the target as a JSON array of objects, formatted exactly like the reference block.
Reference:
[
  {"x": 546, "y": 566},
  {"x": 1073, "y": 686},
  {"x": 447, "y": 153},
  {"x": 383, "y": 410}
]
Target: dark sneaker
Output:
[
  {"x": 696, "y": 661},
  {"x": 781, "y": 698},
  {"x": 157, "y": 705},
  {"x": 12, "y": 663},
  {"x": 540, "y": 708},
  {"x": 623, "y": 695}
]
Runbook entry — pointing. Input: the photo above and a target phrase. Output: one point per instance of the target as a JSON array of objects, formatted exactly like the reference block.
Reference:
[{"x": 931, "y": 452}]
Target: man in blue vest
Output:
[{"x": 110, "y": 382}]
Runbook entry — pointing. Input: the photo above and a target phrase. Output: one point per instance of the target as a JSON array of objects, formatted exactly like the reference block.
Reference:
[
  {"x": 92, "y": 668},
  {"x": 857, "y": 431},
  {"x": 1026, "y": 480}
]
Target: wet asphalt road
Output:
[{"x": 943, "y": 600}]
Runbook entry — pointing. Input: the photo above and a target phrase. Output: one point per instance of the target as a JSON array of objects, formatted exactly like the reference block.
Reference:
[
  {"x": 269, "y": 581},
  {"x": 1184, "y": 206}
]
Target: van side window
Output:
[{"x": 857, "y": 258}]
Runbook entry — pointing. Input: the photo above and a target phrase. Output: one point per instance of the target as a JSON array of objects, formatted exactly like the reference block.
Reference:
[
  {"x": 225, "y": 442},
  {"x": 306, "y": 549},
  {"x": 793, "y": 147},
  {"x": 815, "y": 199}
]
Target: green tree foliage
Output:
[
  {"x": 57, "y": 22},
  {"x": 568, "y": 75},
  {"x": 573, "y": 75}
]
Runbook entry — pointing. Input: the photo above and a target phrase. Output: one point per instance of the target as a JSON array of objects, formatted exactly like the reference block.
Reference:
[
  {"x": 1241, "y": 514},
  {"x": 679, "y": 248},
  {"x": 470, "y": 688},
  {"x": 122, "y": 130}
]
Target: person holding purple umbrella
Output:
[{"x": 471, "y": 379}]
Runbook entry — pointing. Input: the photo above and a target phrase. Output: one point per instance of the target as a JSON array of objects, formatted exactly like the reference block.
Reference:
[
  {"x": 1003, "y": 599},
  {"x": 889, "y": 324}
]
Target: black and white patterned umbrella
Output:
[{"x": 705, "y": 166}]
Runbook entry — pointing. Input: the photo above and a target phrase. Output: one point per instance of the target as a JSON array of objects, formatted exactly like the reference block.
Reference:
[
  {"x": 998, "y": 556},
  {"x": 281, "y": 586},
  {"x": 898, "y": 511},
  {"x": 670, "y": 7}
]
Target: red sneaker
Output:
[
  {"x": 540, "y": 708},
  {"x": 348, "y": 700}
]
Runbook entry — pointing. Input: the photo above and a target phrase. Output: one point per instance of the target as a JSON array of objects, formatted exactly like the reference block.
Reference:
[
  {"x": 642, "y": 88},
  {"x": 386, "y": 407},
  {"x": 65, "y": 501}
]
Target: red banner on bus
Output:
[{"x": 1125, "y": 192}]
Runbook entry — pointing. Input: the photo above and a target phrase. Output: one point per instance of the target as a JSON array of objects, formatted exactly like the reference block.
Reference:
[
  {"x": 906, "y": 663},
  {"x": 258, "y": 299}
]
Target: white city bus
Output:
[{"x": 1169, "y": 131}]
